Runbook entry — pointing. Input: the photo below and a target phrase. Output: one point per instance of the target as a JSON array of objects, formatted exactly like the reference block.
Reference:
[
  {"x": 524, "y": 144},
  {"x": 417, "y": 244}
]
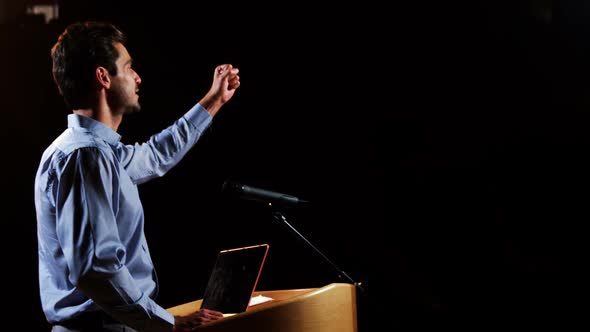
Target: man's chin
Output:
[{"x": 133, "y": 109}]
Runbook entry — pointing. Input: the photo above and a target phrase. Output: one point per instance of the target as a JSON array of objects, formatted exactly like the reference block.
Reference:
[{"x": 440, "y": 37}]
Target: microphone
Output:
[{"x": 261, "y": 195}]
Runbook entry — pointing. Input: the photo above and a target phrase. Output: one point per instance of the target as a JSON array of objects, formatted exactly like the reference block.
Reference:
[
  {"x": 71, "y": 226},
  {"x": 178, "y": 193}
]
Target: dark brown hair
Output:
[{"x": 79, "y": 50}]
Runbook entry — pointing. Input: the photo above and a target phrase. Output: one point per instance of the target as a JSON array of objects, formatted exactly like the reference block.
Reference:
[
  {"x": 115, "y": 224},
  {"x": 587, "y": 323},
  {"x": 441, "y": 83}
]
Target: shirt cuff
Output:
[
  {"x": 162, "y": 313},
  {"x": 199, "y": 117}
]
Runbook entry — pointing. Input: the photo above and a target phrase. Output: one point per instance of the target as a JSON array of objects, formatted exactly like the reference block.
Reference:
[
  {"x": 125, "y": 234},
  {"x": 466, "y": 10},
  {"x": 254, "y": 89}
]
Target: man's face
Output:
[{"x": 122, "y": 96}]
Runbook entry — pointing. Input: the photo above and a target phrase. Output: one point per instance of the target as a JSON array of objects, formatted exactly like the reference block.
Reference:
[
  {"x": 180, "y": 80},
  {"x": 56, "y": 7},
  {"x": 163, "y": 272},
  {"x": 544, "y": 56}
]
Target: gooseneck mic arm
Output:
[{"x": 280, "y": 218}]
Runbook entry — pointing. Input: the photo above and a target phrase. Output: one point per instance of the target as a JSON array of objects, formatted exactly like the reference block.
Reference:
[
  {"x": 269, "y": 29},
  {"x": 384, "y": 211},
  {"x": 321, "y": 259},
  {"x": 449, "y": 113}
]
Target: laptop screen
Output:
[{"x": 233, "y": 278}]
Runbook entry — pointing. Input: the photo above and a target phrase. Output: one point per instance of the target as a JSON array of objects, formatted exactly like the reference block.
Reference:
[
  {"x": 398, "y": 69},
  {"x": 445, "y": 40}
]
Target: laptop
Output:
[{"x": 233, "y": 278}]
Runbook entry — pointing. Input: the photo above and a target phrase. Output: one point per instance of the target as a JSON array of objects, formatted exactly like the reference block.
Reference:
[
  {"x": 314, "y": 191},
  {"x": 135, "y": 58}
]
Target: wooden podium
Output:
[{"x": 324, "y": 309}]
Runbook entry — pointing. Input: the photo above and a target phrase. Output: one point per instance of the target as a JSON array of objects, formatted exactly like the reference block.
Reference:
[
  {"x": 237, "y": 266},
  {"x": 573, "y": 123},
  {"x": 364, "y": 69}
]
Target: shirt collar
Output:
[{"x": 96, "y": 127}]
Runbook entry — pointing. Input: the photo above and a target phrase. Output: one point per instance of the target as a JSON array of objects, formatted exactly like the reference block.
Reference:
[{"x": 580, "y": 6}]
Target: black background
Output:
[{"x": 443, "y": 149}]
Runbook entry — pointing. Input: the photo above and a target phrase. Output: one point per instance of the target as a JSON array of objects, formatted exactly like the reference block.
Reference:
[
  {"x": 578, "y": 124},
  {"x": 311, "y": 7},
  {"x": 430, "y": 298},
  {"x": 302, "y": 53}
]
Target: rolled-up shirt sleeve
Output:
[{"x": 87, "y": 230}]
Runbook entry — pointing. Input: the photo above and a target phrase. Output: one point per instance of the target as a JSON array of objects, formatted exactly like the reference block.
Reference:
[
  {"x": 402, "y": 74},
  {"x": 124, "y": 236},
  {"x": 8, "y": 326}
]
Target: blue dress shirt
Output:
[{"x": 92, "y": 248}]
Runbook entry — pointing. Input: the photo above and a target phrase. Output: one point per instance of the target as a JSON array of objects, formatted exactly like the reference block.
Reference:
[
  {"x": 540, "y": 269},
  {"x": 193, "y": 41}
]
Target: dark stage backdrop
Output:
[{"x": 442, "y": 149}]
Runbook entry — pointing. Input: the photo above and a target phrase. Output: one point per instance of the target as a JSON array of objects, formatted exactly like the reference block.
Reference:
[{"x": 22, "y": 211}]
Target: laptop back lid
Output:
[{"x": 234, "y": 278}]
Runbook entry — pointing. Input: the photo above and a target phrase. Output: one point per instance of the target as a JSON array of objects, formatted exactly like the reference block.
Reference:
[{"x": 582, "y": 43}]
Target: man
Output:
[{"x": 95, "y": 269}]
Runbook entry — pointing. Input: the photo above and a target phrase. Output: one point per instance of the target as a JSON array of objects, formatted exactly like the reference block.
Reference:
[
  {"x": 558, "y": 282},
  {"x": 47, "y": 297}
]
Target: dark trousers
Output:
[{"x": 91, "y": 322}]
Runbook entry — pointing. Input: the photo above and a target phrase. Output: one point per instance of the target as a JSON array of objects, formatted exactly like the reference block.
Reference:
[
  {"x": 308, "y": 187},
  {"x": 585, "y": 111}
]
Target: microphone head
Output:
[
  {"x": 231, "y": 189},
  {"x": 229, "y": 186}
]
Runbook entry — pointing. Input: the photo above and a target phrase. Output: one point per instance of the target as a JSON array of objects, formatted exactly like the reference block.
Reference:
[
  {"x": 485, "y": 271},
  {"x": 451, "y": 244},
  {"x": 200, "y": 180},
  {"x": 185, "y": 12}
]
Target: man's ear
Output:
[{"x": 102, "y": 77}]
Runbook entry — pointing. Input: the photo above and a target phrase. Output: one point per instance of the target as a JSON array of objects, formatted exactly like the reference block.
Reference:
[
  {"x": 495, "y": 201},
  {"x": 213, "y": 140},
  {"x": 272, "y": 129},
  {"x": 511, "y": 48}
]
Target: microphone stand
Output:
[{"x": 280, "y": 218}]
